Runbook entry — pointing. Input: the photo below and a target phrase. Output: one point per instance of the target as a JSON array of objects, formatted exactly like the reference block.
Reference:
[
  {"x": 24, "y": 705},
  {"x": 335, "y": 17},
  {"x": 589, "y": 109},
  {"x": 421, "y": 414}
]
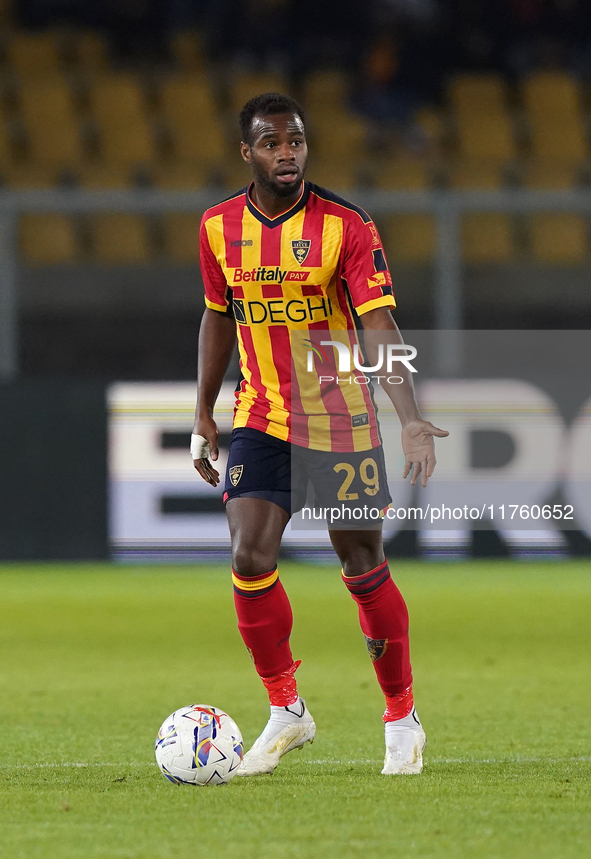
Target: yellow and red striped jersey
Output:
[{"x": 311, "y": 270}]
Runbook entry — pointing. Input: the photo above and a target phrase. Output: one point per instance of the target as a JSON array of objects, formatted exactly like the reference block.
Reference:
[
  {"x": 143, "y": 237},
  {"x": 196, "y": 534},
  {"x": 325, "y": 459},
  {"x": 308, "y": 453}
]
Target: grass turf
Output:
[{"x": 94, "y": 658}]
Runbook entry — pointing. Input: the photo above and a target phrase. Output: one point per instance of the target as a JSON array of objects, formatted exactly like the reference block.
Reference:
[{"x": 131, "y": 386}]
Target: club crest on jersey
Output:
[
  {"x": 376, "y": 647},
  {"x": 301, "y": 249},
  {"x": 235, "y": 474}
]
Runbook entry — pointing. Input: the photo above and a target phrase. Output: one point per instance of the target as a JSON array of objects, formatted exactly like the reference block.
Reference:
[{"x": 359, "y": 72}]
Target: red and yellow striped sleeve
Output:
[
  {"x": 211, "y": 239},
  {"x": 365, "y": 269}
]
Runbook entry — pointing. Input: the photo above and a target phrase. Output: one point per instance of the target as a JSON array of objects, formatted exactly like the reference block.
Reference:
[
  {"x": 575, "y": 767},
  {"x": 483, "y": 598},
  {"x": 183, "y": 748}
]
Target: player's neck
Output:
[{"x": 270, "y": 204}]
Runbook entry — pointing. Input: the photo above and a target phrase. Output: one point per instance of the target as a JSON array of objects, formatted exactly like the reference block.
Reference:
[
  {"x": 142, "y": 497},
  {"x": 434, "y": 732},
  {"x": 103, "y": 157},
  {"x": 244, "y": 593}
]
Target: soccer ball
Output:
[{"x": 199, "y": 745}]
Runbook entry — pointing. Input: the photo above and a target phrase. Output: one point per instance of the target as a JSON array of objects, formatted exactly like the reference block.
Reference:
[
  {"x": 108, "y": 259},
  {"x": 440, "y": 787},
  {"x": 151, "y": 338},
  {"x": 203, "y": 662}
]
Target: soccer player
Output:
[{"x": 285, "y": 261}]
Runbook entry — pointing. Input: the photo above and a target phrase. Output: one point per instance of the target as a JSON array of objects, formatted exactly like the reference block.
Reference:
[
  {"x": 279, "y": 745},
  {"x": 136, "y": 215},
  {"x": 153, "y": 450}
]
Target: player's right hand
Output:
[{"x": 207, "y": 428}]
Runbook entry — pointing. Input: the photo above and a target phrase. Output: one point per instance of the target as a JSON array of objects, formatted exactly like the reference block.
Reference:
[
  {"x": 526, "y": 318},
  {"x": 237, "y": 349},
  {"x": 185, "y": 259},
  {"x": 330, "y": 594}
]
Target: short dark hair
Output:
[{"x": 264, "y": 105}]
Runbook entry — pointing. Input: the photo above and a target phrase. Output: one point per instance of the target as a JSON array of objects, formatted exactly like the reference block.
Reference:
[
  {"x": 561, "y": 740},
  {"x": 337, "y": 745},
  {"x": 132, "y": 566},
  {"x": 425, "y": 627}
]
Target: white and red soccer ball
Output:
[{"x": 199, "y": 745}]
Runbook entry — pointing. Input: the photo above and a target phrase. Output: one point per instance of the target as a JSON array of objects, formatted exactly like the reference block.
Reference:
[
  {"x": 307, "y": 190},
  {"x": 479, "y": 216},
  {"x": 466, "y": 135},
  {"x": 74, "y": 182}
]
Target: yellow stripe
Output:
[
  {"x": 291, "y": 231},
  {"x": 213, "y": 306},
  {"x": 384, "y": 301},
  {"x": 261, "y": 584},
  {"x": 215, "y": 233}
]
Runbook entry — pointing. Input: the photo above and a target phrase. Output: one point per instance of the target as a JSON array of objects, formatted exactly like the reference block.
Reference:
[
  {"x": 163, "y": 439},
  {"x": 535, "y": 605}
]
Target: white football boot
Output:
[
  {"x": 405, "y": 741},
  {"x": 288, "y": 728}
]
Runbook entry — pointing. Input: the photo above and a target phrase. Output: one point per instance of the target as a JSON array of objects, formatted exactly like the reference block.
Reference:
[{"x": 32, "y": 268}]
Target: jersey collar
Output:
[{"x": 280, "y": 219}]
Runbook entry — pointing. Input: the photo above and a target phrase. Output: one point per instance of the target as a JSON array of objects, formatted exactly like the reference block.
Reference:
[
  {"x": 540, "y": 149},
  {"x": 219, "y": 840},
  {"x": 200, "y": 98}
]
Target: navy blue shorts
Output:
[{"x": 262, "y": 466}]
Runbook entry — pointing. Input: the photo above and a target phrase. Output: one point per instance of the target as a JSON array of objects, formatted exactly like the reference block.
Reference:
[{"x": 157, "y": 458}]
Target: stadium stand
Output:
[
  {"x": 556, "y": 238},
  {"x": 67, "y": 112},
  {"x": 407, "y": 238},
  {"x": 487, "y": 237}
]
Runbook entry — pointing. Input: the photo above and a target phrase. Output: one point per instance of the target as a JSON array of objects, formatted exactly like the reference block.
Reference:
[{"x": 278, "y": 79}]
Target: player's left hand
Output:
[{"x": 419, "y": 449}]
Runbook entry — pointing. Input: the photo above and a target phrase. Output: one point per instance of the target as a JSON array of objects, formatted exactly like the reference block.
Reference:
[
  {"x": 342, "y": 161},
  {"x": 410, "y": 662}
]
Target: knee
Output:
[
  {"x": 361, "y": 558},
  {"x": 252, "y": 560}
]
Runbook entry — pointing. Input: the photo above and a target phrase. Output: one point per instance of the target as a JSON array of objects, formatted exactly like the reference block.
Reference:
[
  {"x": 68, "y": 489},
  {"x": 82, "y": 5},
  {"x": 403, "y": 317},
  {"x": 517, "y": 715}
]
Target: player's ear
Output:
[{"x": 245, "y": 151}]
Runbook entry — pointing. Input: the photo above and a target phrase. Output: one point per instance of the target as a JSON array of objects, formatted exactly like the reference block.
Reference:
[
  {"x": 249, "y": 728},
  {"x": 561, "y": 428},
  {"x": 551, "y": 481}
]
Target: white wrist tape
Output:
[{"x": 199, "y": 447}]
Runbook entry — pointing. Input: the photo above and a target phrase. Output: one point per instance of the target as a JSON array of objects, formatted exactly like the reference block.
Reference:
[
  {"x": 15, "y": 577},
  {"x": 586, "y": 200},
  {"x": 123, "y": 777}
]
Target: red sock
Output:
[
  {"x": 384, "y": 622},
  {"x": 265, "y": 621}
]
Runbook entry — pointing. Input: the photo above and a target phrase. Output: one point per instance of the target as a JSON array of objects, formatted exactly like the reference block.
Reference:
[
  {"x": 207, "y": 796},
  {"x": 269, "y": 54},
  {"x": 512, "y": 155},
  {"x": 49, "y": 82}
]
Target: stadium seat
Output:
[
  {"x": 559, "y": 238},
  {"x": 246, "y": 85},
  {"x": 117, "y": 238},
  {"x": 553, "y": 111},
  {"x": 402, "y": 175},
  {"x": 50, "y": 121},
  {"x": 25, "y": 176},
  {"x": 337, "y": 135},
  {"x": 34, "y": 54},
  {"x": 6, "y": 153},
  {"x": 325, "y": 89},
  {"x": 192, "y": 119},
  {"x": 336, "y": 175},
  {"x": 236, "y": 174},
  {"x": 407, "y": 238},
  {"x": 47, "y": 239},
  {"x": 117, "y": 105},
  {"x": 483, "y": 125},
  {"x": 181, "y": 237},
  {"x": 120, "y": 239},
  {"x": 187, "y": 49},
  {"x": 92, "y": 53},
  {"x": 487, "y": 237},
  {"x": 180, "y": 176}
]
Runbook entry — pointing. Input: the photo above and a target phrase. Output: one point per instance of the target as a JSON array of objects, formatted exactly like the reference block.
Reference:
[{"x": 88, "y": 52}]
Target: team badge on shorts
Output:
[
  {"x": 235, "y": 474},
  {"x": 301, "y": 249},
  {"x": 376, "y": 647}
]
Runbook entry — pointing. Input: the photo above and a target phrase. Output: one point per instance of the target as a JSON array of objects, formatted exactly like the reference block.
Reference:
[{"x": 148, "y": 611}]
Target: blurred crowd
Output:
[{"x": 398, "y": 51}]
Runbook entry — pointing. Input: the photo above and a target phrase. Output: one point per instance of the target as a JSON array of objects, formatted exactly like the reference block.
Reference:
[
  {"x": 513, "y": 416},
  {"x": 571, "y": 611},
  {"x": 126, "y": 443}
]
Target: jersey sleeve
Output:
[
  {"x": 365, "y": 269},
  {"x": 218, "y": 294}
]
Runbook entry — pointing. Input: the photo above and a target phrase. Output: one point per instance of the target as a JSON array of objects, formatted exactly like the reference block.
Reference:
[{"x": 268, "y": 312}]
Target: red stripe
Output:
[
  {"x": 232, "y": 226},
  {"x": 261, "y": 404},
  {"x": 313, "y": 229},
  {"x": 271, "y": 245},
  {"x": 281, "y": 350}
]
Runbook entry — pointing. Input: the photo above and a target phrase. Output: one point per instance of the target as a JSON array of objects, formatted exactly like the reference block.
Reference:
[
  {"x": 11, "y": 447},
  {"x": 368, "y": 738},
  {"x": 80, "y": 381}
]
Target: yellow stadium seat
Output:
[
  {"x": 483, "y": 124},
  {"x": 236, "y": 173},
  {"x": 402, "y": 176},
  {"x": 47, "y": 239},
  {"x": 246, "y": 85},
  {"x": 487, "y": 237},
  {"x": 187, "y": 49},
  {"x": 337, "y": 135},
  {"x": 336, "y": 175},
  {"x": 92, "y": 53},
  {"x": 120, "y": 239},
  {"x": 180, "y": 176},
  {"x": 25, "y": 176},
  {"x": 191, "y": 115},
  {"x": 556, "y": 237},
  {"x": 430, "y": 123},
  {"x": 553, "y": 110},
  {"x": 407, "y": 238},
  {"x": 181, "y": 237},
  {"x": 117, "y": 106},
  {"x": 117, "y": 238},
  {"x": 473, "y": 93},
  {"x": 34, "y": 54},
  {"x": 325, "y": 90},
  {"x": 50, "y": 121},
  {"x": 6, "y": 153}
]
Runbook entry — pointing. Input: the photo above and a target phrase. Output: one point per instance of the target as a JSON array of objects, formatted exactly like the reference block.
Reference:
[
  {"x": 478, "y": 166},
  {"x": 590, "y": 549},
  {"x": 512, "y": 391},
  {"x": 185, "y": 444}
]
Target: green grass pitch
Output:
[{"x": 95, "y": 657}]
